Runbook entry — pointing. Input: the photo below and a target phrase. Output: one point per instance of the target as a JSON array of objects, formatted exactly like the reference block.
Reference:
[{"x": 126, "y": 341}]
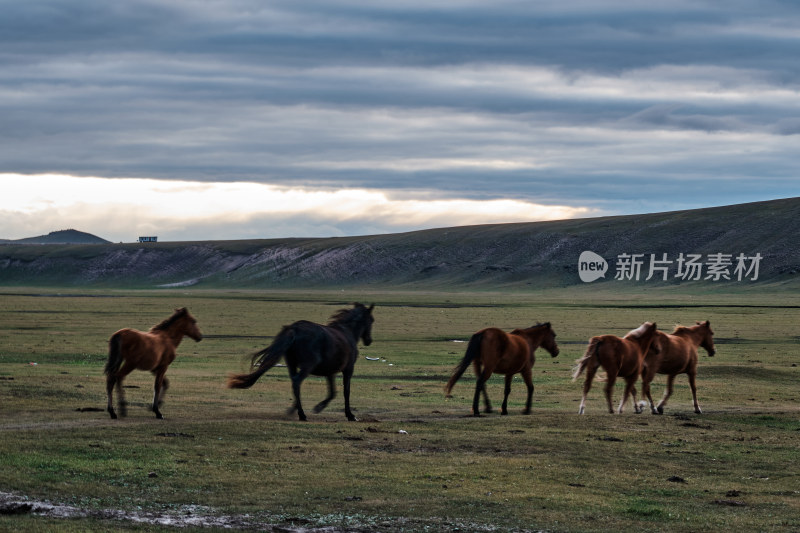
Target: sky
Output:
[{"x": 241, "y": 119}]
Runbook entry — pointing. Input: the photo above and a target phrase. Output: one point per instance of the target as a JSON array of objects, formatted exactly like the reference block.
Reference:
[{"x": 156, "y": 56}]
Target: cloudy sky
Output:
[{"x": 235, "y": 119}]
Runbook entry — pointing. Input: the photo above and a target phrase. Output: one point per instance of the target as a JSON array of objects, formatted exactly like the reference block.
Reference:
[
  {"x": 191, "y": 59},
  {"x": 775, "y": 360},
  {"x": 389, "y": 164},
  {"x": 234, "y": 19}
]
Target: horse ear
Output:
[
  {"x": 371, "y": 307},
  {"x": 547, "y": 325}
]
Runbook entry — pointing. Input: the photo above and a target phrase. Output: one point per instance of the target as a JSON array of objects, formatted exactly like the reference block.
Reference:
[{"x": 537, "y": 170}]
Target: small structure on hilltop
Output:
[{"x": 148, "y": 239}]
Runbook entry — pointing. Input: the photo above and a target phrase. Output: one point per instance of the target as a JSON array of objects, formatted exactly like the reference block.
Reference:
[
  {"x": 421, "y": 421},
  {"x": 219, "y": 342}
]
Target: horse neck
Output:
[
  {"x": 174, "y": 335},
  {"x": 644, "y": 341},
  {"x": 533, "y": 336},
  {"x": 693, "y": 334},
  {"x": 351, "y": 329}
]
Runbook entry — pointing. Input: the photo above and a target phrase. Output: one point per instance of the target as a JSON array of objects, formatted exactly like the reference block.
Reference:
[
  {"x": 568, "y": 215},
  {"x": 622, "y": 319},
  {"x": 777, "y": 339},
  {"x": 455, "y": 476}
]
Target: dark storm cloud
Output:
[{"x": 578, "y": 103}]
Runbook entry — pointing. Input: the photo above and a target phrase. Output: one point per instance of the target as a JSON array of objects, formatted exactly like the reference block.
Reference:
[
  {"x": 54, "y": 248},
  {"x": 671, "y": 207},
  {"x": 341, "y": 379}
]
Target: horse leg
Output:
[
  {"x": 118, "y": 377},
  {"x": 346, "y": 376},
  {"x": 693, "y": 386},
  {"x": 331, "y": 394},
  {"x": 158, "y": 387},
  {"x": 667, "y": 394},
  {"x": 480, "y": 386},
  {"x": 487, "y": 405},
  {"x": 506, "y": 392},
  {"x": 527, "y": 376},
  {"x": 111, "y": 380},
  {"x": 646, "y": 380},
  {"x": 587, "y": 384},
  {"x": 164, "y": 388},
  {"x": 297, "y": 379},
  {"x": 477, "y": 398},
  {"x": 637, "y": 408},
  {"x": 612, "y": 378},
  {"x": 630, "y": 389}
]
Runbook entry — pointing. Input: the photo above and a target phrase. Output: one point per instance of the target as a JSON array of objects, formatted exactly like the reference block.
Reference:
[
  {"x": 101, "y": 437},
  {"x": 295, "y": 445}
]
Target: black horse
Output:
[{"x": 311, "y": 348}]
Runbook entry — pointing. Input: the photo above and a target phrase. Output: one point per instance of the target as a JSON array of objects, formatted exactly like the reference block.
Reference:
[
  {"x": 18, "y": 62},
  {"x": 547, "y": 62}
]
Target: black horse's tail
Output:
[
  {"x": 114, "y": 354},
  {"x": 264, "y": 360},
  {"x": 473, "y": 351}
]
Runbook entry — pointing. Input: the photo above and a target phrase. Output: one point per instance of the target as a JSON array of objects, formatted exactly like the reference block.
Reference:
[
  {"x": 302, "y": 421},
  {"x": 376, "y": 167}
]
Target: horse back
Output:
[
  {"x": 324, "y": 350},
  {"x": 620, "y": 354},
  {"x": 503, "y": 352},
  {"x": 678, "y": 355},
  {"x": 144, "y": 350}
]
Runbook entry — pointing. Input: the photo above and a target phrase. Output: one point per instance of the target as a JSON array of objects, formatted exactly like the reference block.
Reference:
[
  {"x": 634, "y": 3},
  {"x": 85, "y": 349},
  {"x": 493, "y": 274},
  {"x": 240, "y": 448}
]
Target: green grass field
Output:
[{"x": 414, "y": 461}]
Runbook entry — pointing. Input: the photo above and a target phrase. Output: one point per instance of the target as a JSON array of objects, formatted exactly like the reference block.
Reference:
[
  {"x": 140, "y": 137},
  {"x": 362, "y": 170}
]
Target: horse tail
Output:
[
  {"x": 473, "y": 351},
  {"x": 264, "y": 360},
  {"x": 114, "y": 354},
  {"x": 588, "y": 357}
]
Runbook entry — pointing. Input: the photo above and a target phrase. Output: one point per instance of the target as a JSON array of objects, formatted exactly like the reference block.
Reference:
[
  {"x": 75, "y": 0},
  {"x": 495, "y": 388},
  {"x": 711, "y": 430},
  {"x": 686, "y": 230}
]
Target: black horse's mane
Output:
[
  {"x": 346, "y": 316},
  {"x": 168, "y": 322}
]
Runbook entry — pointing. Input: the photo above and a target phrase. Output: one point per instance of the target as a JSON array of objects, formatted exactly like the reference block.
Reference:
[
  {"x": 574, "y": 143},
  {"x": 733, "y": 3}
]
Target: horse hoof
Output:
[
  {"x": 351, "y": 418},
  {"x": 113, "y": 415},
  {"x": 660, "y": 410}
]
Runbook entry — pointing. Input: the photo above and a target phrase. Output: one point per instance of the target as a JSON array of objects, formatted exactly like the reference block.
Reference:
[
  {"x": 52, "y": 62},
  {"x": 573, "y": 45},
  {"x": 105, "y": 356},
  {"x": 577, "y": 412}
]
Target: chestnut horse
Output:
[
  {"x": 493, "y": 350},
  {"x": 620, "y": 358},
  {"x": 310, "y": 348},
  {"x": 130, "y": 349},
  {"x": 675, "y": 354}
]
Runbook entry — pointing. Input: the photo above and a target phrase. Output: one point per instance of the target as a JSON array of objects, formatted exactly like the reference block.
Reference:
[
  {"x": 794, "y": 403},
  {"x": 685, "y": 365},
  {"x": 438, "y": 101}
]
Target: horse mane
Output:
[
  {"x": 638, "y": 332},
  {"x": 680, "y": 329},
  {"x": 167, "y": 323},
  {"x": 345, "y": 316}
]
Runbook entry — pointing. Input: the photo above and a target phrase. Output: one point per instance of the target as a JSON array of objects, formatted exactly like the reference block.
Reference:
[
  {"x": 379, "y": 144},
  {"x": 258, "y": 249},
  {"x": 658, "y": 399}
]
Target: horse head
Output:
[
  {"x": 549, "y": 339},
  {"x": 708, "y": 338},
  {"x": 189, "y": 324},
  {"x": 366, "y": 335}
]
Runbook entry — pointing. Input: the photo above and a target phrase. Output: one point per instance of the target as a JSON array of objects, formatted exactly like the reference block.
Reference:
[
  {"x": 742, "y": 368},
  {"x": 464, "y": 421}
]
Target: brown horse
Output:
[
  {"x": 129, "y": 350},
  {"x": 619, "y": 357},
  {"x": 493, "y": 350},
  {"x": 675, "y": 354},
  {"x": 314, "y": 349}
]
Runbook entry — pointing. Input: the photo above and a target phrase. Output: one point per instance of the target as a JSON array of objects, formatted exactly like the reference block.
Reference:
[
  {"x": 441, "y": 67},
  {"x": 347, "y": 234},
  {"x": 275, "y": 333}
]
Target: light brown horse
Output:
[
  {"x": 675, "y": 354},
  {"x": 130, "y": 349},
  {"x": 493, "y": 350},
  {"x": 619, "y": 358}
]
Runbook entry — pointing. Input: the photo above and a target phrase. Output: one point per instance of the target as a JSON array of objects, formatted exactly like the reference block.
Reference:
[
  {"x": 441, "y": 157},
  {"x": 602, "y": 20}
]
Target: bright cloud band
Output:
[{"x": 118, "y": 209}]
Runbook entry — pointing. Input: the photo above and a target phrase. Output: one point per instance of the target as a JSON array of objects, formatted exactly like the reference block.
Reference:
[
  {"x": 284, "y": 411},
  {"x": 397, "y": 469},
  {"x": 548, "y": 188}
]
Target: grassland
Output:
[{"x": 415, "y": 461}]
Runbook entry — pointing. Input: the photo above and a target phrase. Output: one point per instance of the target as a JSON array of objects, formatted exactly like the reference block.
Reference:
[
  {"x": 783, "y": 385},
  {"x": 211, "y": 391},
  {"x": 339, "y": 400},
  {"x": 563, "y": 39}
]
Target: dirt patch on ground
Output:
[{"x": 188, "y": 516}]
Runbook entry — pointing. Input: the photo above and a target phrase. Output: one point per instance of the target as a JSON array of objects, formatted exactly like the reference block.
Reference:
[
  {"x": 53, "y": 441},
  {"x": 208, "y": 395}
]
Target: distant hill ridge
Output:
[
  {"x": 67, "y": 236},
  {"x": 493, "y": 256}
]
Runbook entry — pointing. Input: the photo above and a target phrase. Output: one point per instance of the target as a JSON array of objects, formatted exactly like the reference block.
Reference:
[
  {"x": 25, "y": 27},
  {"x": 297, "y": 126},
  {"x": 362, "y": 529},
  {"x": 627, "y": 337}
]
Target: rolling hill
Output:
[
  {"x": 67, "y": 236},
  {"x": 496, "y": 256}
]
